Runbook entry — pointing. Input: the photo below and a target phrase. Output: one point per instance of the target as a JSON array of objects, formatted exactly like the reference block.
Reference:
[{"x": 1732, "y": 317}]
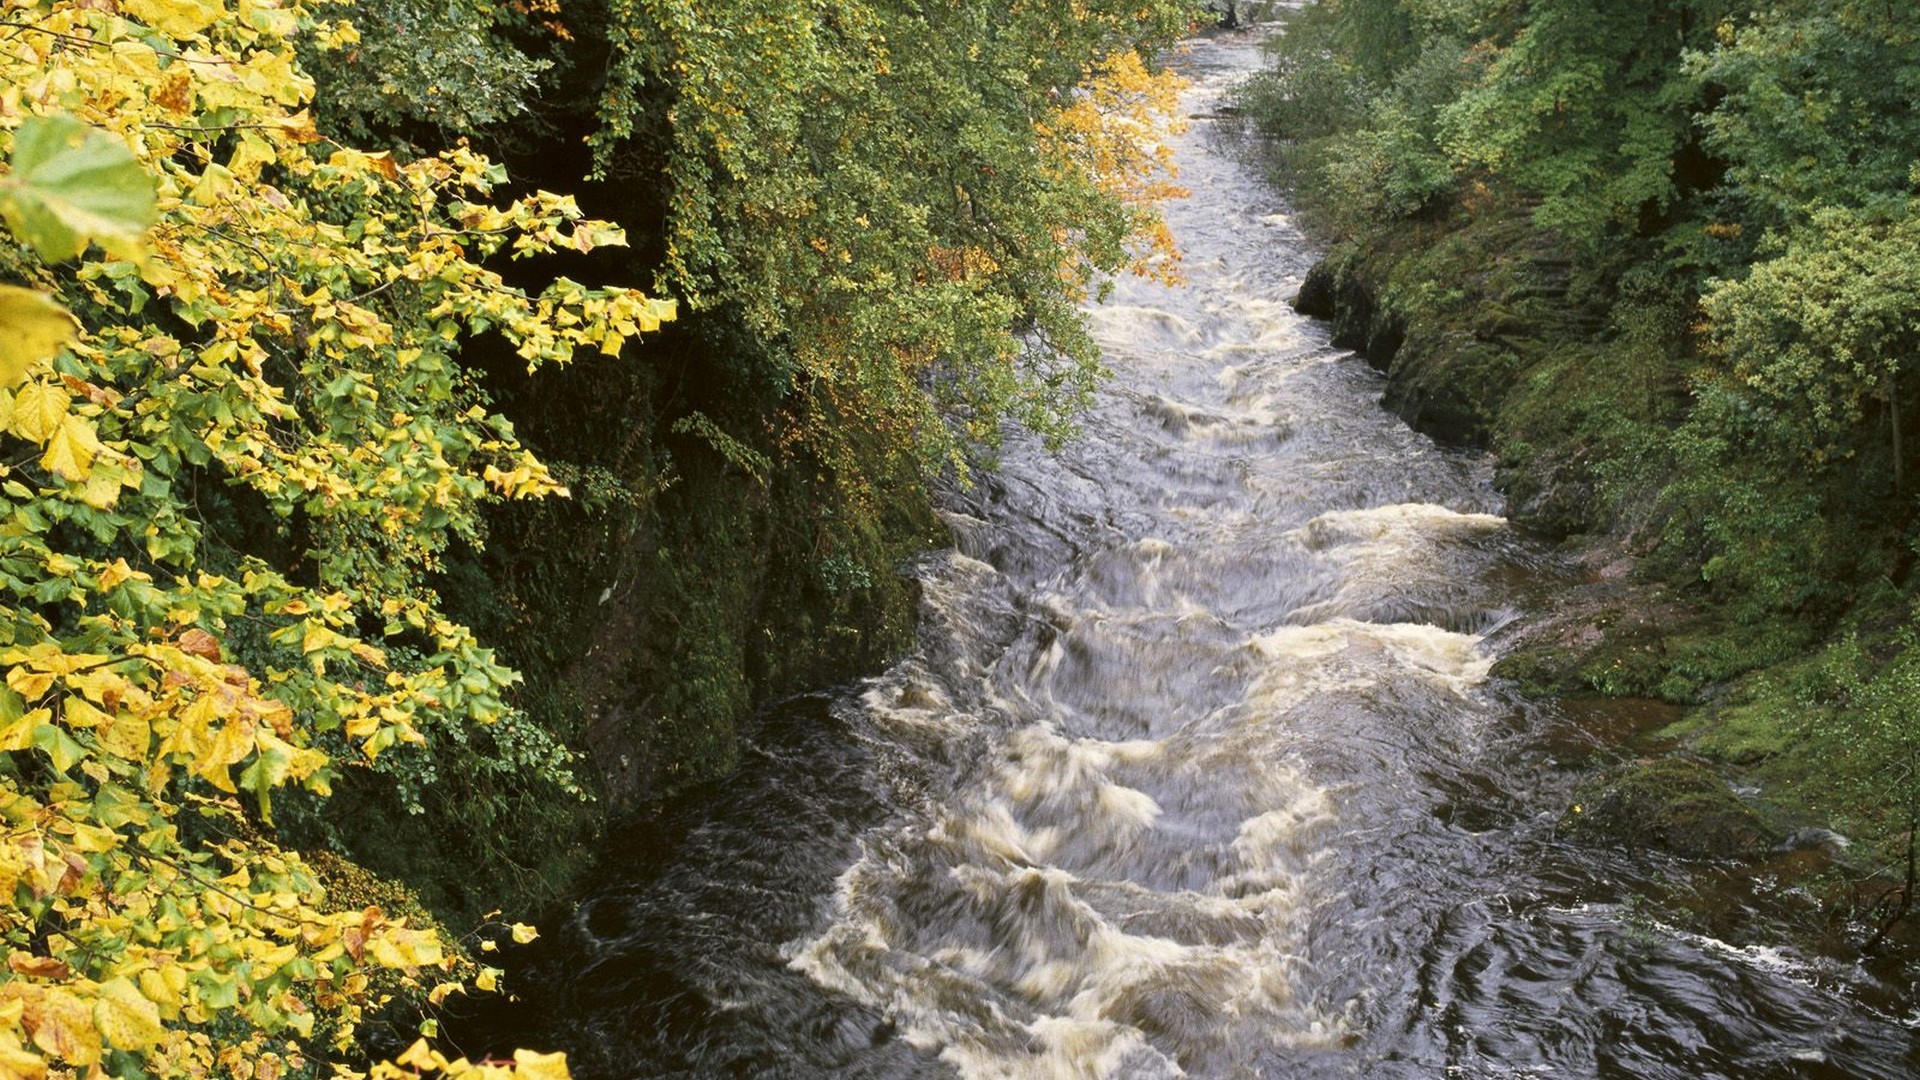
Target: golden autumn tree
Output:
[{"x": 237, "y": 442}]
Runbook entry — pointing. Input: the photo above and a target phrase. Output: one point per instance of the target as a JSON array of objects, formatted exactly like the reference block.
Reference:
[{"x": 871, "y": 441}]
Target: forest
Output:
[
  {"x": 1661, "y": 260},
  {"x": 431, "y": 426}
]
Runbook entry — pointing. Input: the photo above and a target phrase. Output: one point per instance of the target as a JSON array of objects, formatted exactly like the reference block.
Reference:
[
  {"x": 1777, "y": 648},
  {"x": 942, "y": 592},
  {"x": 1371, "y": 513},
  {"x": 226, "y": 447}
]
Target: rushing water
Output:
[{"x": 1196, "y": 772}]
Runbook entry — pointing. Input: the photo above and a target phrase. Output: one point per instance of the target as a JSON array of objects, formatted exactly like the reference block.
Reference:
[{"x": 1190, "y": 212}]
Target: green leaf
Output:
[
  {"x": 72, "y": 185},
  {"x": 33, "y": 328},
  {"x": 59, "y": 746}
]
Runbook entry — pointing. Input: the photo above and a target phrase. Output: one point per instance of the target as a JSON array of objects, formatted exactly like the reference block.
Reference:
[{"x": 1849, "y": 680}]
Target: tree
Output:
[
  {"x": 1814, "y": 109},
  {"x": 906, "y": 203},
  {"x": 1584, "y": 105},
  {"x": 1821, "y": 331},
  {"x": 220, "y": 504}
]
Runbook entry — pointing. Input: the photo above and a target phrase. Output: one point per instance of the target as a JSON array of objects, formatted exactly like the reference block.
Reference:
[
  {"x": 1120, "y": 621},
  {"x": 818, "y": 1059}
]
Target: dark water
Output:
[{"x": 1197, "y": 772}]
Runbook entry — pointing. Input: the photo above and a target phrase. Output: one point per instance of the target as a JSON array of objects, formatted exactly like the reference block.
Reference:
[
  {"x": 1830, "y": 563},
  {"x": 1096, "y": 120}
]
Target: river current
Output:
[{"x": 1196, "y": 771}]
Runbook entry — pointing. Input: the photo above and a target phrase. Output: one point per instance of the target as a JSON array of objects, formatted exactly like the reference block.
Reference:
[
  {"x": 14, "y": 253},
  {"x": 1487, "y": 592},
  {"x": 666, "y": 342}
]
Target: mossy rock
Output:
[{"x": 1668, "y": 804}]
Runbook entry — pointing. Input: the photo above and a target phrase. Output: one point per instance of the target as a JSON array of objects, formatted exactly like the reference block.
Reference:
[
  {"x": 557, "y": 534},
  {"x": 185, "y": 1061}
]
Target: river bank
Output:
[{"x": 1718, "y": 726}]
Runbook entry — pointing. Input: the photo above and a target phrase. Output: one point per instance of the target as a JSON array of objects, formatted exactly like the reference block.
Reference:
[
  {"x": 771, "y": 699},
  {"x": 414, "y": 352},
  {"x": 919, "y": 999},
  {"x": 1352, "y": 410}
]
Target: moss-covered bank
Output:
[
  {"x": 652, "y": 613},
  {"x": 1492, "y": 335}
]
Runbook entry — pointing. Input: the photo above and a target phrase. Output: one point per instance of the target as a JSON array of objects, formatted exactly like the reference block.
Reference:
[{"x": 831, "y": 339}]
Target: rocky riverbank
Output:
[{"x": 1695, "y": 724}]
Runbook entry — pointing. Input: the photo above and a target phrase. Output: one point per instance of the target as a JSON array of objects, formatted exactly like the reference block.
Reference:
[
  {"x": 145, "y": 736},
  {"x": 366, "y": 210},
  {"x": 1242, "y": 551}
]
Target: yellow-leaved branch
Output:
[{"x": 206, "y": 301}]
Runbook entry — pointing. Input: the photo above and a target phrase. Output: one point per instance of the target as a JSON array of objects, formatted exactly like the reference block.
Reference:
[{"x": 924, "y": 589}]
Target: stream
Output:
[{"x": 1196, "y": 771}]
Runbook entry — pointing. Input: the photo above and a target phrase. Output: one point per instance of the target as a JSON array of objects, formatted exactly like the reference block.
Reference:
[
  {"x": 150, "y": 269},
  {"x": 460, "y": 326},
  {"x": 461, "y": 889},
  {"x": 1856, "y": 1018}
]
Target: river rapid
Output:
[{"x": 1197, "y": 771}]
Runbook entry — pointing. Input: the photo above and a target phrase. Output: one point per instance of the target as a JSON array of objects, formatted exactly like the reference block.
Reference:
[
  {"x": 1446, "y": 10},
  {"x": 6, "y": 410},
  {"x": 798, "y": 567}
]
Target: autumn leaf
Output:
[
  {"x": 71, "y": 450},
  {"x": 63, "y": 1027},
  {"x": 37, "y": 967},
  {"x": 125, "y": 1017},
  {"x": 175, "y": 18},
  {"x": 38, "y": 410},
  {"x": 536, "y": 1066},
  {"x": 33, "y": 329},
  {"x": 197, "y": 642}
]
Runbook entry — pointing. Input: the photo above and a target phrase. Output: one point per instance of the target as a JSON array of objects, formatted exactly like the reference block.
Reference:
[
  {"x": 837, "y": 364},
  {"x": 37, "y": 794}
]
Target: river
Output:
[{"x": 1196, "y": 771}]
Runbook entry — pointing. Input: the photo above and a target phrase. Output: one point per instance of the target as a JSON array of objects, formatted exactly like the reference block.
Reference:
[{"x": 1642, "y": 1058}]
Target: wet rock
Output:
[
  {"x": 1445, "y": 382},
  {"x": 1668, "y": 804},
  {"x": 1815, "y": 839},
  {"x": 1551, "y": 493},
  {"x": 1318, "y": 297}
]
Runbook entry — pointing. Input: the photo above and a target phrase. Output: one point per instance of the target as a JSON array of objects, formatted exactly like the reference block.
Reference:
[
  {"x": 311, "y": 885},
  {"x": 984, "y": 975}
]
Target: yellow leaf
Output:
[
  {"x": 93, "y": 839},
  {"x": 126, "y": 735},
  {"x": 421, "y": 1056},
  {"x": 536, "y": 1066},
  {"x": 71, "y": 450},
  {"x": 17, "y": 1062},
  {"x": 488, "y": 980},
  {"x": 174, "y": 18},
  {"x": 231, "y": 744},
  {"x": 166, "y": 987},
  {"x": 63, "y": 1027},
  {"x": 522, "y": 933},
  {"x": 33, "y": 328},
  {"x": 118, "y": 571},
  {"x": 29, "y": 683},
  {"x": 125, "y": 1017},
  {"x": 17, "y": 733},
  {"x": 316, "y": 635},
  {"x": 38, "y": 409},
  {"x": 248, "y": 157},
  {"x": 80, "y": 713},
  {"x": 215, "y": 184}
]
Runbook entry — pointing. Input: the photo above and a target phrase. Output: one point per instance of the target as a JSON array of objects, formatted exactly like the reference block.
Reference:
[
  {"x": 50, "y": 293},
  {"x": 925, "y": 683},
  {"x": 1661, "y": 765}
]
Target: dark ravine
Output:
[{"x": 1197, "y": 770}]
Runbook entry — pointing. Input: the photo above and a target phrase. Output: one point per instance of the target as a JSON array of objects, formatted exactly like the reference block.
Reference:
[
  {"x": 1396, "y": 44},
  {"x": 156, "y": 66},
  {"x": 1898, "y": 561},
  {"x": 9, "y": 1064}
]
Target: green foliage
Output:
[
  {"x": 907, "y": 200},
  {"x": 413, "y": 64},
  {"x": 1356, "y": 92},
  {"x": 1585, "y": 106},
  {"x": 1820, "y": 329},
  {"x": 1815, "y": 109}
]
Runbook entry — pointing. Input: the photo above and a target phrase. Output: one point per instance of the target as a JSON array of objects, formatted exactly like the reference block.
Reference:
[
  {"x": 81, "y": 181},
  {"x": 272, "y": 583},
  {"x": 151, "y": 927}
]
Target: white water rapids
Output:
[{"x": 1196, "y": 772}]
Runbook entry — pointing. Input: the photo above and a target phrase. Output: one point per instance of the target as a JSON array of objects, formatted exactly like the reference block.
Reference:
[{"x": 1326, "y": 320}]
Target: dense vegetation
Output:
[
  {"x": 310, "y": 407},
  {"x": 1664, "y": 259}
]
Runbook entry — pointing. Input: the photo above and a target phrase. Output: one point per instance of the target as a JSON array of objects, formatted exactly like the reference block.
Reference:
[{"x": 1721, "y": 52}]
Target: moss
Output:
[{"x": 1670, "y": 804}]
